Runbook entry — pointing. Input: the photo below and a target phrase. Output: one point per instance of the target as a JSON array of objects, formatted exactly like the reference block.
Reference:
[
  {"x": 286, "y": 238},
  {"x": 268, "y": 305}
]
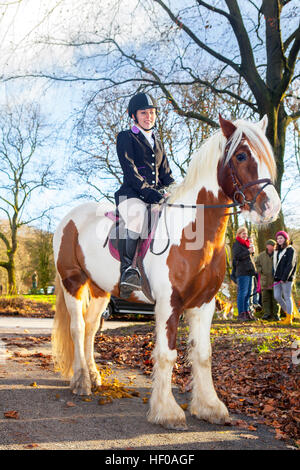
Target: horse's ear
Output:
[
  {"x": 263, "y": 123},
  {"x": 227, "y": 127}
]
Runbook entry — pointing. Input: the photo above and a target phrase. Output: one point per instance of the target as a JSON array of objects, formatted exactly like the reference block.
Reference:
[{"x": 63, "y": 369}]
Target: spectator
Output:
[
  {"x": 284, "y": 265},
  {"x": 243, "y": 251},
  {"x": 254, "y": 302},
  {"x": 264, "y": 266},
  {"x": 34, "y": 280}
]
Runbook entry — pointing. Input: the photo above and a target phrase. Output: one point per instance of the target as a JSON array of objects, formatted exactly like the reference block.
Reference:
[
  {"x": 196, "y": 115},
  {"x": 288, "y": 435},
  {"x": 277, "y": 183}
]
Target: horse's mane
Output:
[{"x": 204, "y": 161}]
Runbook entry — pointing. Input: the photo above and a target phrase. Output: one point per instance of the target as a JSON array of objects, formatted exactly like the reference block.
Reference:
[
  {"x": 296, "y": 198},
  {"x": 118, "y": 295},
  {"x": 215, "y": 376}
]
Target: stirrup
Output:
[{"x": 130, "y": 285}]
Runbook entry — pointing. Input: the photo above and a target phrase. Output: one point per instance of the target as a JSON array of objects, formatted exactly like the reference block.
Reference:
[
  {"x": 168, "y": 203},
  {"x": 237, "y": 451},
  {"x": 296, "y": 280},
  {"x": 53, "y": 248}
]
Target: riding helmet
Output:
[{"x": 140, "y": 101}]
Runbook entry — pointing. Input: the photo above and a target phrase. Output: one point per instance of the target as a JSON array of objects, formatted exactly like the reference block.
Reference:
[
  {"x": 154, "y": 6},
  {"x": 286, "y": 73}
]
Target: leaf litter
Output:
[{"x": 252, "y": 370}]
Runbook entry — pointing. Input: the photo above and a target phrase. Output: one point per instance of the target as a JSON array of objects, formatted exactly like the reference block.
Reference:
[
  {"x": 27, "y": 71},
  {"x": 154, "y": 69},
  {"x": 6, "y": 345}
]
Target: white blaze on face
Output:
[{"x": 272, "y": 203}]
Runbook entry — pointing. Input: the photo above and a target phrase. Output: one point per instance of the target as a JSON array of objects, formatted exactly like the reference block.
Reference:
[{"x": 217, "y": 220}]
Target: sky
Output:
[{"x": 30, "y": 19}]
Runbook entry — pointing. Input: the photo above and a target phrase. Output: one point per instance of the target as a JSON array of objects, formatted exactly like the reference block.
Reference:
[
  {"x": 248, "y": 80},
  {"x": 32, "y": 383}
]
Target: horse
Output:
[{"x": 235, "y": 166}]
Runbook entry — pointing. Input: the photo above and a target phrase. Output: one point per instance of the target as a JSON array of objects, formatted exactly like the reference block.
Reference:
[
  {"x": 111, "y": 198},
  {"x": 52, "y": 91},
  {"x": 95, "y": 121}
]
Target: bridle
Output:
[
  {"x": 238, "y": 193},
  {"x": 239, "y": 190}
]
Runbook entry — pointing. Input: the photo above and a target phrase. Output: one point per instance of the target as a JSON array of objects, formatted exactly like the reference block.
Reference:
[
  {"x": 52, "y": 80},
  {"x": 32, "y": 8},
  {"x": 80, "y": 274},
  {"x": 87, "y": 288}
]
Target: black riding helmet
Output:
[{"x": 140, "y": 101}]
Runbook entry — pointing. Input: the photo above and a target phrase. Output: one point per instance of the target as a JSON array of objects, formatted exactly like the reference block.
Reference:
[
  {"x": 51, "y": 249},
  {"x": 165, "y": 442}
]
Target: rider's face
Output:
[{"x": 146, "y": 117}]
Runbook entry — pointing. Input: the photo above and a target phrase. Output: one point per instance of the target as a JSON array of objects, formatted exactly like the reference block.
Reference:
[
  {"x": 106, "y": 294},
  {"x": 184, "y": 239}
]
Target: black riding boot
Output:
[{"x": 130, "y": 277}]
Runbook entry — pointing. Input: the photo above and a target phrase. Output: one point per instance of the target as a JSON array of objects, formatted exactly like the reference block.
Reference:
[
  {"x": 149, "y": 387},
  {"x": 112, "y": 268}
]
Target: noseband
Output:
[{"x": 239, "y": 189}]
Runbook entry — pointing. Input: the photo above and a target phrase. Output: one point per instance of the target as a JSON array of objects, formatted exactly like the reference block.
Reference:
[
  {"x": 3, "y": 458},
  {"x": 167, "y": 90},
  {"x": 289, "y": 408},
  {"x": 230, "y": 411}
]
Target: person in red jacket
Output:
[
  {"x": 146, "y": 175},
  {"x": 242, "y": 252}
]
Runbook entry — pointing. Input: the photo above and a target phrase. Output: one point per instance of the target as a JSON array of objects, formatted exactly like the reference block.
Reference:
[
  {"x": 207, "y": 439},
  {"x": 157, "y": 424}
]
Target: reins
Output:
[{"x": 239, "y": 192}]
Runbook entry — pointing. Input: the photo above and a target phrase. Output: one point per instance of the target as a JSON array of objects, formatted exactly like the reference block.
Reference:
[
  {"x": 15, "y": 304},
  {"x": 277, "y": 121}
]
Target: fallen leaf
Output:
[
  {"x": 252, "y": 428},
  {"x": 11, "y": 414},
  {"x": 131, "y": 377},
  {"x": 249, "y": 436},
  {"x": 280, "y": 435},
  {"x": 33, "y": 384},
  {"x": 105, "y": 401},
  {"x": 268, "y": 408},
  {"x": 184, "y": 406},
  {"x": 70, "y": 404}
]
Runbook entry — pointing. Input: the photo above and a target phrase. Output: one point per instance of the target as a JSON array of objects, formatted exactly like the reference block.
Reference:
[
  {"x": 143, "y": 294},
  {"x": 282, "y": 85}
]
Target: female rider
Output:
[{"x": 146, "y": 174}]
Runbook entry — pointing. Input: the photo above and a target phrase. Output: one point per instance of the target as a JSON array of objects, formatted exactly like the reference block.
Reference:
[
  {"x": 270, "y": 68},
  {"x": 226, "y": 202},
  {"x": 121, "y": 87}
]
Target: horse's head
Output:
[{"x": 248, "y": 170}]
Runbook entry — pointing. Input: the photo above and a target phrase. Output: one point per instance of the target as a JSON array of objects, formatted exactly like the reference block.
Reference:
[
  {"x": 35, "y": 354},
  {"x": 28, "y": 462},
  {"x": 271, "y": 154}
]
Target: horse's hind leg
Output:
[
  {"x": 205, "y": 403},
  {"x": 80, "y": 383},
  {"x": 163, "y": 408},
  {"x": 92, "y": 322}
]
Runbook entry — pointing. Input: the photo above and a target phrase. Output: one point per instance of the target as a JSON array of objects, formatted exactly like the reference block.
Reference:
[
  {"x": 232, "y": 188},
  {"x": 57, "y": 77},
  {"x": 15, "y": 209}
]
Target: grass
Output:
[
  {"x": 27, "y": 305},
  {"x": 50, "y": 299}
]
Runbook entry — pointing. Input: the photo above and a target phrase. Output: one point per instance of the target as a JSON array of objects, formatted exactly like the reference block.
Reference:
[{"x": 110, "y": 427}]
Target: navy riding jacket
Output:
[
  {"x": 146, "y": 170},
  {"x": 286, "y": 267}
]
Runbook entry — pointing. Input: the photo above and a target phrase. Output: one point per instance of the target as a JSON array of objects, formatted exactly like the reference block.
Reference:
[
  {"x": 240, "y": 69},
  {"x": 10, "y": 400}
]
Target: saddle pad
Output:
[
  {"x": 143, "y": 246},
  {"x": 113, "y": 240}
]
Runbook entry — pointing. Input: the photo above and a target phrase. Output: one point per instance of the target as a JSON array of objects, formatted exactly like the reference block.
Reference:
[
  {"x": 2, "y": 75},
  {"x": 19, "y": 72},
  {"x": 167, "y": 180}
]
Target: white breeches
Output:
[{"x": 133, "y": 212}]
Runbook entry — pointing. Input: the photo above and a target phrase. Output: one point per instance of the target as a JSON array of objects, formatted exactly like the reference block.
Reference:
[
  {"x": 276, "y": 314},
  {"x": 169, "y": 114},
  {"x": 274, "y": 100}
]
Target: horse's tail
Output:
[{"x": 62, "y": 343}]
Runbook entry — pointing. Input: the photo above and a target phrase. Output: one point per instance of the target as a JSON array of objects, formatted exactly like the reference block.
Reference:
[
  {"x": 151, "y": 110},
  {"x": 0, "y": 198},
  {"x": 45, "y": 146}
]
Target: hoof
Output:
[
  {"x": 217, "y": 414},
  {"x": 96, "y": 381},
  {"x": 176, "y": 425},
  {"x": 81, "y": 383},
  {"x": 175, "y": 421}
]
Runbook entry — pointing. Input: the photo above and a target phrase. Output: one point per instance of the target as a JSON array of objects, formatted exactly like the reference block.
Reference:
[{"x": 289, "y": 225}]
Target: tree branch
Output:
[
  {"x": 196, "y": 40},
  {"x": 214, "y": 9}
]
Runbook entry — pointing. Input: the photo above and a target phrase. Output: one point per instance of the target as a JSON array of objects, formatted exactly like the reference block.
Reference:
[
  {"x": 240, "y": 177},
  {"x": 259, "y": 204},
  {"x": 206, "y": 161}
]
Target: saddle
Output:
[{"x": 143, "y": 245}]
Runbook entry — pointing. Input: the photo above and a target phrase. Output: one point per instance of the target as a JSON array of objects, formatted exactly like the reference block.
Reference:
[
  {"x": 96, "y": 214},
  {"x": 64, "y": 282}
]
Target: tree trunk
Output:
[
  {"x": 276, "y": 133},
  {"x": 11, "y": 272}
]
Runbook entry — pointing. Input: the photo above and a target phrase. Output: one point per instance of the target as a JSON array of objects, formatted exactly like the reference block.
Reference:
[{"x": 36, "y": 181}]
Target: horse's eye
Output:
[{"x": 241, "y": 156}]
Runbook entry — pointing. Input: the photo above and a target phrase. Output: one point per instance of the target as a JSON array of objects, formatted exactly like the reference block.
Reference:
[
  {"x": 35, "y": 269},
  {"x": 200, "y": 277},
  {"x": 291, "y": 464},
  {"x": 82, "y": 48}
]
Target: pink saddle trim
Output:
[
  {"x": 143, "y": 247},
  {"x": 112, "y": 216}
]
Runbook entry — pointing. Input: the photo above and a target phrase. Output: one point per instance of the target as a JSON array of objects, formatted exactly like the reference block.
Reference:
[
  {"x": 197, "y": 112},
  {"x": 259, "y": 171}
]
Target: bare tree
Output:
[
  {"x": 249, "y": 48},
  {"x": 22, "y": 136},
  {"x": 41, "y": 254}
]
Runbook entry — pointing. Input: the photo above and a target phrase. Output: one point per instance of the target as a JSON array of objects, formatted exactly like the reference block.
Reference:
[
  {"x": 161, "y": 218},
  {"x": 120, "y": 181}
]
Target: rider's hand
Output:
[{"x": 155, "y": 207}]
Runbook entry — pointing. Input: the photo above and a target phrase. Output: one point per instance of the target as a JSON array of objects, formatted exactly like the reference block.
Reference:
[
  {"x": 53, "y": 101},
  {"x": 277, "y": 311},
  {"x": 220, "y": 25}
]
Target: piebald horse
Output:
[{"x": 233, "y": 166}]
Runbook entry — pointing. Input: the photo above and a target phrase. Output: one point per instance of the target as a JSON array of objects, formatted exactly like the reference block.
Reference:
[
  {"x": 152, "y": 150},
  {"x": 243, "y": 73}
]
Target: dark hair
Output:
[{"x": 284, "y": 245}]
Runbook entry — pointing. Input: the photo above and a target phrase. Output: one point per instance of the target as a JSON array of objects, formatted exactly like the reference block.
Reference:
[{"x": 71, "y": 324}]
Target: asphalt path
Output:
[{"x": 38, "y": 411}]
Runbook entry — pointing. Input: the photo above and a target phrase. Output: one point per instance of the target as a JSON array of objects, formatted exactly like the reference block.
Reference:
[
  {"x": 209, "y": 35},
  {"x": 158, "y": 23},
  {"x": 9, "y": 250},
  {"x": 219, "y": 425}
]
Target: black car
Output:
[{"x": 117, "y": 305}]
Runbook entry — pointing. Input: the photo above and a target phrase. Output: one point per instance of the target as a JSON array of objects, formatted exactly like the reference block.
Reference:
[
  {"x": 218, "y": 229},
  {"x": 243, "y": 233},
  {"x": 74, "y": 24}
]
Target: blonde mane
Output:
[{"x": 204, "y": 161}]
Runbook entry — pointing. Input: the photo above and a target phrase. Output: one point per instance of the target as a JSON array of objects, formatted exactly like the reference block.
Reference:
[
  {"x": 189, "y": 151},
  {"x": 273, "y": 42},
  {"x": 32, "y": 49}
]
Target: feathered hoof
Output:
[
  {"x": 176, "y": 422},
  {"x": 175, "y": 425},
  {"x": 81, "y": 383},
  {"x": 96, "y": 381},
  {"x": 217, "y": 414}
]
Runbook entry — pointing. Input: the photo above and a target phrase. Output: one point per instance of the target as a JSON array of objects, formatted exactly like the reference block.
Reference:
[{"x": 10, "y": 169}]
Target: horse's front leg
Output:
[
  {"x": 205, "y": 403},
  {"x": 163, "y": 408}
]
